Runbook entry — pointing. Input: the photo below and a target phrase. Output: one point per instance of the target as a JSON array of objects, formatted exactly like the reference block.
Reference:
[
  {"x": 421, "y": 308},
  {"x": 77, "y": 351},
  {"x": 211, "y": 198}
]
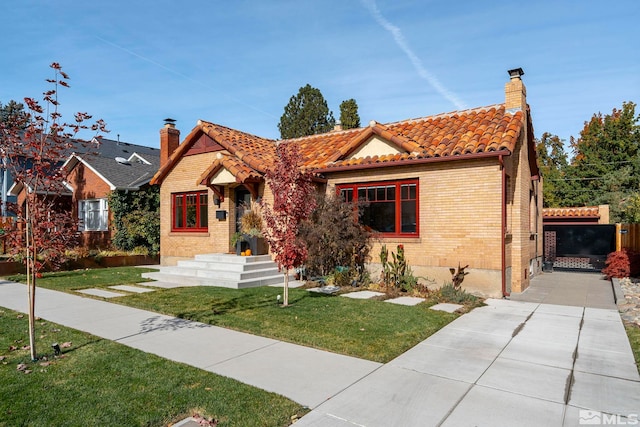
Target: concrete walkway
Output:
[{"x": 521, "y": 363}]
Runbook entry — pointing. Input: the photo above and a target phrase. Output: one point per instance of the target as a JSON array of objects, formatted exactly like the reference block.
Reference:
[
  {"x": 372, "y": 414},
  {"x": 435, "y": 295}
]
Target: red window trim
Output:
[
  {"x": 398, "y": 202},
  {"x": 184, "y": 212}
]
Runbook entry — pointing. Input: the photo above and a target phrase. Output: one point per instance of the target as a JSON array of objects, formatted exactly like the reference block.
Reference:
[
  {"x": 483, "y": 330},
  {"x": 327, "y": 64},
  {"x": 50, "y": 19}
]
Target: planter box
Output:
[
  {"x": 128, "y": 260},
  {"x": 257, "y": 245},
  {"x": 8, "y": 268}
]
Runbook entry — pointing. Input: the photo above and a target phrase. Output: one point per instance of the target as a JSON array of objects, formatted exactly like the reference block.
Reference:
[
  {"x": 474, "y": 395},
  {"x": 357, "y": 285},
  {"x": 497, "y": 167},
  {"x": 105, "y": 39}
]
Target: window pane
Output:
[
  {"x": 371, "y": 194},
  {"x": 380, "y": 216},
  {"x": 204, "y": 215},
  {"x": 408, "y": 217},
  {"x": 391, "y": 192},
  {"x": 409, "y": 192},
  {"x": 93, "y": 215},
  {"x": 362, "y": 194},
  {"x": 412, "y": 191},
  {"x": 380, "y": 193},
  {"x": 179, "y": 211},
  {"x": 347, "y": 194},
  {"x": 191, "y": 216}
]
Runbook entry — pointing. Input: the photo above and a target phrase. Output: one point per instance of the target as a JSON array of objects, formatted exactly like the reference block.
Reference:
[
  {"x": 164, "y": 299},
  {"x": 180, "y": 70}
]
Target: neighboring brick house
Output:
[
  {"x": 460, "y": 187},
  {"x": 91, "y": 177}
]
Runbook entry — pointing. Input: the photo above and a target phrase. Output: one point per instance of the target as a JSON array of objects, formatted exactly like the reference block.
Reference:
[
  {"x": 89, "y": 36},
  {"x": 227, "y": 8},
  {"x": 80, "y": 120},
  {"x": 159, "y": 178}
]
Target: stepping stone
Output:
[
  {"x": 164, "y": 285},
  {"x": 325, "y": 289},
  {"x": 292, "y": 284},
  {"x": 362, "y": 294},
  {"x": 449, "y": 308},
  {"x": 100, "y": 293},
  {"x": 134, "y": 289},
  {"x": 406, "y": 300},
  {"x": 188, "y": 422}
]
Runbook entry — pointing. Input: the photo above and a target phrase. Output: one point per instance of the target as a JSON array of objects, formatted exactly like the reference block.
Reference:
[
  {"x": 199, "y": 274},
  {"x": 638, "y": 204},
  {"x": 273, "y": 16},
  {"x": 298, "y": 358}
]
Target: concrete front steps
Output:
[{"x": 223, "y": 270}]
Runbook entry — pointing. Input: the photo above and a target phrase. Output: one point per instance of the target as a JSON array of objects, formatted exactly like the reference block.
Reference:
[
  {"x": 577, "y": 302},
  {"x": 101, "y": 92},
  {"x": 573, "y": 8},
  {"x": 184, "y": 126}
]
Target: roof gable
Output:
[
  {"x": 375, "y": 146},
  {"x": 226, "y": 170},
  {"x": 203, "y": 144}
]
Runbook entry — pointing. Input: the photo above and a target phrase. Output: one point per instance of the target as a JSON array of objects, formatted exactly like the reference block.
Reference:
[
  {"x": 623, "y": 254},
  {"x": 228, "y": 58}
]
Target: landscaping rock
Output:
[{"x": 630, "y": 307}]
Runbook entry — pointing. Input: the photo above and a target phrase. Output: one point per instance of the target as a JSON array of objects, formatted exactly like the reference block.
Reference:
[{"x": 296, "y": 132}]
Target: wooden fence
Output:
[{"x": 628, "y": 237}]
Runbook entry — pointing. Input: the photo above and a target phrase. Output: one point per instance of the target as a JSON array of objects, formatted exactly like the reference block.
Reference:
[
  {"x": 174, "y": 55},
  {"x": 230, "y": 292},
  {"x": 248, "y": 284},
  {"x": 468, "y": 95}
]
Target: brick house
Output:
[
  {"x": 90, "y": 178},
  {"x": 460, "y": 187}
]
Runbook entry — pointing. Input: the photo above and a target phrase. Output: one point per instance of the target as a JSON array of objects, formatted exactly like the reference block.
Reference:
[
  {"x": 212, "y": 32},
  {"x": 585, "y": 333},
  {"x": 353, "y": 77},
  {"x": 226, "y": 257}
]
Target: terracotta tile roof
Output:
[
  {"x": 575, "y": 212},
  {"x": 481, "y": 130},
  {"x": 452, "y": 136},
  {"x": 256, "y": 152},
  {"x": 239, "y": 170}
]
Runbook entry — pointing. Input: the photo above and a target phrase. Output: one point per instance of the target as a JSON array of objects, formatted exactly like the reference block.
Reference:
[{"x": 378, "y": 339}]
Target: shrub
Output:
[
  {"x": 624, "y": 263},
  {"x": 251, "y": 221},
  {"x": 136, "y": 217},
  {"x": 335, "y": 238},
  {"x": 451, "y": 294}
]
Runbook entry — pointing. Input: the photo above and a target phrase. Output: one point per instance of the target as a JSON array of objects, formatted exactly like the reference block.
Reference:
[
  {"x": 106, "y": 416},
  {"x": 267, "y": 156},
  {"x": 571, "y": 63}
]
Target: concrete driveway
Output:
[{"x": 556, "y": 357}]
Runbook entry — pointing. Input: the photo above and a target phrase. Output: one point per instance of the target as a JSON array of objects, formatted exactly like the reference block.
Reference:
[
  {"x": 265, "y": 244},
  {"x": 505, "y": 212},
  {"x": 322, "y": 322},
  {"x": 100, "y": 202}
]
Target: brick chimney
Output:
[
  {"x": 514, "y": 91},
  {"x": 169, "y": 140}
]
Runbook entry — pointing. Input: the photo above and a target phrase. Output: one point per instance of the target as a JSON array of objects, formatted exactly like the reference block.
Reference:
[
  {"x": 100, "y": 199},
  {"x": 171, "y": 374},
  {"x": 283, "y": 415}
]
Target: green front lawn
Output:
[
  {"x": 633, "y": 332},
  {"x": 69, "y": 281},
  {"x": 101, "y": 383},
  {"x": 373, "y": 330}
]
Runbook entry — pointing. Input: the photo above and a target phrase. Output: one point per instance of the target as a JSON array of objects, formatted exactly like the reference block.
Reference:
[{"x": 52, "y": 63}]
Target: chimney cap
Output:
[
  {"x": 169, "y": 123},
  {"x": 516, "y": 73}
]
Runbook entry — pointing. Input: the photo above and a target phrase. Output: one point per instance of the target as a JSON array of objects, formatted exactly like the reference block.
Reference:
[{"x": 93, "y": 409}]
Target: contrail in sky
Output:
[
  {"x": 179, "y": 74},
  {"x": 417, "y": 63}
]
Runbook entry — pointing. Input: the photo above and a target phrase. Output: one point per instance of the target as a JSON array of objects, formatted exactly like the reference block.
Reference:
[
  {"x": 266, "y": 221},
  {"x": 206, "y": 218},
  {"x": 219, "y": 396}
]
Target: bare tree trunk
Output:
[{"x": 31, "y": 280}]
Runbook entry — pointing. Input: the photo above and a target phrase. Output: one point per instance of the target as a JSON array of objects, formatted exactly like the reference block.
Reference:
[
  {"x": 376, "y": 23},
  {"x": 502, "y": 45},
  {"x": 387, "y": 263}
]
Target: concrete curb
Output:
[{"x": 618, "y": 295}]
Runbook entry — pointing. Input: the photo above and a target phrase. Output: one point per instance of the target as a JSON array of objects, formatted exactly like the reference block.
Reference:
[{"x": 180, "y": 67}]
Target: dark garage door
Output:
[{"x": 578, "y": 247}]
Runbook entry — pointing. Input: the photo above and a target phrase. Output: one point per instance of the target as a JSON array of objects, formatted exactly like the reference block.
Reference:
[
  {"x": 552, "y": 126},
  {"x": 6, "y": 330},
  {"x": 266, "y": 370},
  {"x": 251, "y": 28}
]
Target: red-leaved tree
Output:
[
  {"x": 33, "y": 147},
  {"x": 293, "y": 202}
]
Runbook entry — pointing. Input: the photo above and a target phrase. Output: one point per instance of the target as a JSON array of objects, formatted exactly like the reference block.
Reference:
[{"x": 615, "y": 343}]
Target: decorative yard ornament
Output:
[{"x": 458, "y": 276}]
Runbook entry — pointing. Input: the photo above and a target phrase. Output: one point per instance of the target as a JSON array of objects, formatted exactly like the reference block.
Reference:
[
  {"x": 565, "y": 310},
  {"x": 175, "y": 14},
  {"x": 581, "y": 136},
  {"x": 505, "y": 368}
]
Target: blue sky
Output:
[{"x": 237, "y": 63}]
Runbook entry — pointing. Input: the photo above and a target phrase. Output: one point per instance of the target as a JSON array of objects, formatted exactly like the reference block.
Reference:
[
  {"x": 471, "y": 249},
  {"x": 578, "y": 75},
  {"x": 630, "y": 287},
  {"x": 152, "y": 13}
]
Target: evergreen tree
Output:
[
  {"x": 349, "y": 117},
  {"x": 306, "y": 114},
  {"x": 13, "y": 113}
]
